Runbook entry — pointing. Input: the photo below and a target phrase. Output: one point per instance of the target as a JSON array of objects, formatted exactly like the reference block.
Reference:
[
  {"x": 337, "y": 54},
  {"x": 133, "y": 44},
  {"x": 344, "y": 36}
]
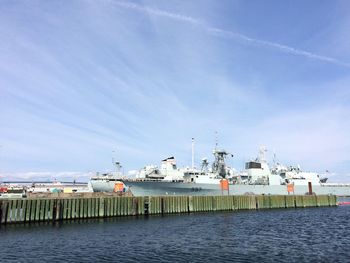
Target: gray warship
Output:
[{"x": 257, "y": 178}]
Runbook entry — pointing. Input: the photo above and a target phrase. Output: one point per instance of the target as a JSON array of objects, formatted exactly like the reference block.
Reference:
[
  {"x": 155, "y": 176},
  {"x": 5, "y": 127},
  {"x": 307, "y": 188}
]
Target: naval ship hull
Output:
[
  {"x": 103, "y": 185},
  {"x": 152, "y": 188}
]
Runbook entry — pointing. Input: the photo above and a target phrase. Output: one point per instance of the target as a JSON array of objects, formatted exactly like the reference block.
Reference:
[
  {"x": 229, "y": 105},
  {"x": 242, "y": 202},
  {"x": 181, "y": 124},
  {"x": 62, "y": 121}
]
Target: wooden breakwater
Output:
[{"x": 57, "y": 209}]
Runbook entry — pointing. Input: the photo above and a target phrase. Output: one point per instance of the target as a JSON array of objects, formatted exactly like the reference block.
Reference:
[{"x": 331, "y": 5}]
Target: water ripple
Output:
[{"x": 296, "y": 235}]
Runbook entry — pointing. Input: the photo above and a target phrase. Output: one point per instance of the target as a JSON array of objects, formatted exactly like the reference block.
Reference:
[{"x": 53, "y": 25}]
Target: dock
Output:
[{"x": 43, "y": 209}]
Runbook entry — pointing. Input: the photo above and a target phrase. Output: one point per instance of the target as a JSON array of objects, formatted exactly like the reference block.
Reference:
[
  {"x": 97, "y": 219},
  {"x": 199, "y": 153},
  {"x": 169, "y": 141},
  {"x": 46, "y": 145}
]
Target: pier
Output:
[{"x": 27, "y": 210}]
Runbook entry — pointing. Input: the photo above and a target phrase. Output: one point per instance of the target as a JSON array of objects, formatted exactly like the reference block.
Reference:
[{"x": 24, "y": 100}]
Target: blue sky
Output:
[{"x": 81, "y": 79}]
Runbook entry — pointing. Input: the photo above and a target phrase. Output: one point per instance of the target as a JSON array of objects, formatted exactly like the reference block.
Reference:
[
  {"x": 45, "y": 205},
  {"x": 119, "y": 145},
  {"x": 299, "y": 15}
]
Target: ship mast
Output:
[
  {"x": 261, "y": 156},
  {"x": 116, "y": 164},
  {"x": 192, "y": 153}
]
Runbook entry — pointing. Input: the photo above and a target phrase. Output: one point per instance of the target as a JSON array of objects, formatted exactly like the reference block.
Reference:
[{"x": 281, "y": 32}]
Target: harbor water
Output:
[{"x": 282, "y": 235}]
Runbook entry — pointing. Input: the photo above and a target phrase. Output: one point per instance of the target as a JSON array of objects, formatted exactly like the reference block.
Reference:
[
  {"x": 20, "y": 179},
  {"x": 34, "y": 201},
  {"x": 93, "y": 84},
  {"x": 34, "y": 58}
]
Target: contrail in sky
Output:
[{"x": 229, "y": 34}]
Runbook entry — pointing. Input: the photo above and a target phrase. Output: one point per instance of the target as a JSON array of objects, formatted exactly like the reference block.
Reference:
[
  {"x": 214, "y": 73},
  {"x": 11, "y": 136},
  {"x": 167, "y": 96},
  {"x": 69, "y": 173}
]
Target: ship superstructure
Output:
[{"x": 257, "y": 178}]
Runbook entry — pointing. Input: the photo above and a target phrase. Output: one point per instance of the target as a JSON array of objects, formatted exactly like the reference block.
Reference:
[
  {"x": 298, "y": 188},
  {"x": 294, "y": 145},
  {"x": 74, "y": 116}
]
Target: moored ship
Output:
[
  {"x": 108, "y": 182},
  {"x": 257, "y": 178}
]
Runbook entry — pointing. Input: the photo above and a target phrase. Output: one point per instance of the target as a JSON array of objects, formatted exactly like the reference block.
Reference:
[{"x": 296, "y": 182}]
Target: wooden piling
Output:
[
  {"x": 97, "y": 208},
  {"x": 299, "y": 201},
  {"x": 47, "y": 209},
  {"x": 332, "y": 200},
  {"x": 277, "y": 201},
  {"x": 309, "y": 201},
  {"x": 4, "y": 210}
]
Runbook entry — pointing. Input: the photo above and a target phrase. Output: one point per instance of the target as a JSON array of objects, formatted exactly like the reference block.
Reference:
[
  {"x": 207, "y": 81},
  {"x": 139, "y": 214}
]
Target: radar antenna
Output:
[
  {"x": 219, "y": 166},
  {"x": 262, "y": 152},
  {"x": 116, "y": 164},
  {"x": 274, "y": 157},
  {"x": 204, "y": 166}
]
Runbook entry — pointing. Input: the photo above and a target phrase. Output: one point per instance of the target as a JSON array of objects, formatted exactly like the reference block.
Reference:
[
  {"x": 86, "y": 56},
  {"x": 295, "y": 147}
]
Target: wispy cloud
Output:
[
  {"x": 142, "y": 82},
  {"x": 306, "y": 137},
  {"x": 230, "y": 34},
  {"x": 158, "y": 12}
]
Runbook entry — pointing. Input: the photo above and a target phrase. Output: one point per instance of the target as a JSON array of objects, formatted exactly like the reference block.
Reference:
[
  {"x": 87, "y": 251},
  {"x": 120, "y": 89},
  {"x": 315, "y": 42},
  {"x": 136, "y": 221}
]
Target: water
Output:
[{"x": 294, "y": 235}]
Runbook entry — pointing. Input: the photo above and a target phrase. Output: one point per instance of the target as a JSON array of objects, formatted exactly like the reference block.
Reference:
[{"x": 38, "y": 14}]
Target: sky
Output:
[{"x": 82, "y": 82}]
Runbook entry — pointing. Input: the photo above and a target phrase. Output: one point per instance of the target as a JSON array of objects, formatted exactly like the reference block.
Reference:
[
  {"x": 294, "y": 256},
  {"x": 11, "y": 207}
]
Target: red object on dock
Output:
[
  {"x": 344, "y": 203},
  {"x": 3, "y": 189}
]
